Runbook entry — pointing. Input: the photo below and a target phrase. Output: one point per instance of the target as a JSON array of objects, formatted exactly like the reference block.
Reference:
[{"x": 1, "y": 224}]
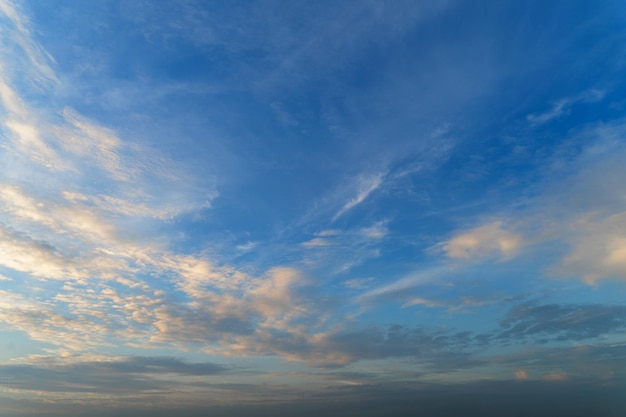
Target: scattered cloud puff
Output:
[
  {"x": 521, "y": 374},
  {"x": 483, "y": 242},
  {"x": 598, "y": 249}
]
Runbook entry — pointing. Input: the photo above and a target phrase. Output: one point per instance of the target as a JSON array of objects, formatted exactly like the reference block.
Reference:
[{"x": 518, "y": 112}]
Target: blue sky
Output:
[{"x": 260, "y": 207}]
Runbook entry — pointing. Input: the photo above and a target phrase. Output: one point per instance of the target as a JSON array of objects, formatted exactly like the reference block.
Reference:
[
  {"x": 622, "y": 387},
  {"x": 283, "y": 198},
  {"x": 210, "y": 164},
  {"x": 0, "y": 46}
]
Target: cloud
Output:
[
  {"x": 29, "y": 142},
  {"x": 104, "y": 377},
  {"x": 25, "y": 254},
  {"x": 37, "y": 58},
  {"x": 525, "y": 323},
  {"x": 521, "y": 374},
  {"x": 101, "y": 294},
  {"x": 563, "y": 106},
  {"x": 42, "y": 322},
  {"x": 338, "y": 251},
  {"x": 366, "y": 185},
  {"x": 399, "y": 289},
  {"x": 96, "y": 143},
  {"x": 598, "y": 249},
  {"x": 248, "y": 246},
  {"x": 359, "y": 283},
  {"x": 377, "y": 231},
  {"x": 555, "y": 376},
  {"x": 483, "y": 242},
  {"x": 138, "y": 179},
  {"x": 317, "y": 242},
  {"x": 254, "y": 317},
  {"x": 401, "y": 398},
  {"x": 69, "y": 192},
  {"x": 422, "y": 301},
  {"x": 90, "y": 238},
  {"x": 553, "y": 322}
]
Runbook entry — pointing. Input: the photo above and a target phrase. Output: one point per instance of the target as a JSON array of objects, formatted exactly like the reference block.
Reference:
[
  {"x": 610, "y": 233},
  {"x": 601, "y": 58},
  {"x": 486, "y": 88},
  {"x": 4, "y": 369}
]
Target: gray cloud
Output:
[
  {"x": 136, "y": 374},
  {"x": 602, "y": 363},
  {"x": 480, "y": 399},
  {"x": 553, "y": 322},
  {"x": 451, "y": 350}
]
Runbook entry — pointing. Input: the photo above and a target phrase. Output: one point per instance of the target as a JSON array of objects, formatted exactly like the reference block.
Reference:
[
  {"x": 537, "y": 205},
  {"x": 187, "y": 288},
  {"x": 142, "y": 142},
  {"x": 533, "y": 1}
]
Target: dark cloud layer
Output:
[
  {"x": 134, "y": 373},
  {"x": 525, "y": 322},
  {"x": 530, "y": 321},
  {"x": 481, "y": 399}
]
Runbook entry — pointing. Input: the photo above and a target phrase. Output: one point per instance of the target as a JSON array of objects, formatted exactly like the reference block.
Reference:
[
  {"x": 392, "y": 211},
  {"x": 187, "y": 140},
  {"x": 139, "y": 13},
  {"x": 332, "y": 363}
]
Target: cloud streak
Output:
[
  {"x": 365, "y": 185},
  {"x": 562, "y": 107}
]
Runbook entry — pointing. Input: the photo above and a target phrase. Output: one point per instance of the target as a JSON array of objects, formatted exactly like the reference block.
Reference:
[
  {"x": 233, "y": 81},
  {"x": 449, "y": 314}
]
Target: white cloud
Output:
[
  {"x": 22, "y": 129},
  {"x": 359, "y": 283},
  {"x": 317, "y": 242},
  {"x": 329, "y": 232},
  {"x": 198, "y": 277},
  {"x": 274, "y": 299},
  {"x": 11, "y": 101},
  {"x": 29, "y": 142},
  {"x": 248, "y": 246},
  {"x": 37, "y": 59},
  {"x": 365, "y": 186},
  {"x": 487, "y": 241},
  {"x": 139, "y": 180},
  {"x": 24, "y": 254},
  {"x": 409, "y": 281},
  {"x": 376, "y": 231},
  {"x": 563, "y": 106},
  {"x": 88, "y": 140},
  {"x": 598, "y": 249},
  {"x": 41, "y": 322},
  {"x": 424, "y": 302},
  {"x": 557, "y": 110}
]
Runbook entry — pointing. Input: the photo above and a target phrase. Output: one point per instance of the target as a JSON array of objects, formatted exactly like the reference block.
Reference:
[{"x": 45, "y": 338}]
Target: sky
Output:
[{"x": 259, "y": 208}]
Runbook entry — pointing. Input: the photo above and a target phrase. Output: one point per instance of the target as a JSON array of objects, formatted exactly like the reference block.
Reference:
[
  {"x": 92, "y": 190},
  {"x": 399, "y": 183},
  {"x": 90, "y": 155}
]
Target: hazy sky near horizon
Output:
[{"x": 266, "y": 207}]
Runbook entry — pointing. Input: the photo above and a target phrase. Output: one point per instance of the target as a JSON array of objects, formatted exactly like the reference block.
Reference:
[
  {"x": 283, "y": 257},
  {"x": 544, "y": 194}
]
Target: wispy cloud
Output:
[
  {"x": 342, "y": 250},
  {"x": 490, "y": 240},
  {"x": 562, "y": 107},
  {"x": 359, "y": 283},
  {"x": 37, "y": 58},
  {"x": 365, "y": 186},
  {"x": 317, "y": 242},
  {"x": 391, "y": 290},
  {"x": 599, "y": 249}
]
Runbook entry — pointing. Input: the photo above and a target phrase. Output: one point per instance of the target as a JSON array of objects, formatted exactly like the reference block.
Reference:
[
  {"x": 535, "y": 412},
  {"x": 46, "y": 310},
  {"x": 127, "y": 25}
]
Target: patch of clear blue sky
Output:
[{"x": 293, "y": 110}]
